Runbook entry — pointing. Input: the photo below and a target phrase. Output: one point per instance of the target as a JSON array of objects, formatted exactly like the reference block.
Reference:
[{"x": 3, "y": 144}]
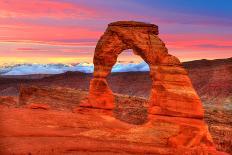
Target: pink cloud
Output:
[
  {"x": 192, "y": 46},
  {"x": 29, "y": 49},
  {"x": 46, "y": 8},
  {"x": 198, "y": 42},
  {"x": 46, "y": 33}
]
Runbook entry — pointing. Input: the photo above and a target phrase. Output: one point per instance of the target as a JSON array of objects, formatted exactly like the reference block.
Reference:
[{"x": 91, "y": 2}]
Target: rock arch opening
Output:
[
  {"x": 130, "y": 75},
  {"x": 172, "y": 92}
]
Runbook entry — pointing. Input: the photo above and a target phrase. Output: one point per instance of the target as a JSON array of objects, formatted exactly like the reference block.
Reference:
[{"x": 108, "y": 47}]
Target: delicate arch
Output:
[{"x": 172, "y": 92}]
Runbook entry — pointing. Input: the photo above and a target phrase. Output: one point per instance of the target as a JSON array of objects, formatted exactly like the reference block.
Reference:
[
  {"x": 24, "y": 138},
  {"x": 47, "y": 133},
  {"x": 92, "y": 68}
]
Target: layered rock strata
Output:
[{"x": 172, "y": 91}]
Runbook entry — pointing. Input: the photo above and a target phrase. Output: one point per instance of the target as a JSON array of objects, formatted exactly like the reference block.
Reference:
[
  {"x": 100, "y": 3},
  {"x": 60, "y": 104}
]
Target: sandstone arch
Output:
[{"x": 172, "y": 92}]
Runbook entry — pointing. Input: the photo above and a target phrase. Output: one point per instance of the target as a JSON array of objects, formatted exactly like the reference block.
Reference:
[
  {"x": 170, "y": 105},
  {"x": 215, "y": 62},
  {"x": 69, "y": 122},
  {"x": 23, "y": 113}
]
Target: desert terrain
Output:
[{"x": 61, "y": 94}]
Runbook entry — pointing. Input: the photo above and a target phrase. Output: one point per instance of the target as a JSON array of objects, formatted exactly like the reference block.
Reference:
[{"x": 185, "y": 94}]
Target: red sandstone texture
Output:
[
  {"x": 213, "y": 81},
  {"x": 128, "y": 129},
  {"x": 172, "y": 92}
]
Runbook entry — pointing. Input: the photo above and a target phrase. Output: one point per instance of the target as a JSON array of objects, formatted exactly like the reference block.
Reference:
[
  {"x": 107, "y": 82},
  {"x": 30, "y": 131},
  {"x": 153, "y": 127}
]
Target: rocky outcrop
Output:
[
  {"x": 172, "y": 92},
  {"x": 8, "y": 101},
  {"x": 212, "y": 79},
  {"x": 49, "y": 97}
]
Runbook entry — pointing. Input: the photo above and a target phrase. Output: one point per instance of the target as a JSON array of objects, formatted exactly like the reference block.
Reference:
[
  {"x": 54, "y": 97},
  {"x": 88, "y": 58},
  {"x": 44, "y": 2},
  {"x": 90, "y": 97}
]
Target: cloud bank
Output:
[{"x": 27, "y": 69}]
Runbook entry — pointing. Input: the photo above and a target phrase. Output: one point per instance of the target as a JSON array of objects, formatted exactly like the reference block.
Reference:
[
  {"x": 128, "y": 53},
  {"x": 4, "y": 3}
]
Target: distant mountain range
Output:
[{"x": 28, "y": 69}]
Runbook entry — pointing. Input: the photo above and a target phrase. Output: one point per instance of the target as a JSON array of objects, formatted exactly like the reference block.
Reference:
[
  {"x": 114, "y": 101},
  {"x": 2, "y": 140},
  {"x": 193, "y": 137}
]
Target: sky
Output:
[{"x": 66, "y": 31}]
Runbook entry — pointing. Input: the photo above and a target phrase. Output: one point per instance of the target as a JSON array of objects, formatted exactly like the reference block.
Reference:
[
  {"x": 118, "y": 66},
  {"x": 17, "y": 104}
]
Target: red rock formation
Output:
[
  {"x": 49, "y": 97},
  {"x": 8, "y": 101},
  {"x": 172, "y": 92}
]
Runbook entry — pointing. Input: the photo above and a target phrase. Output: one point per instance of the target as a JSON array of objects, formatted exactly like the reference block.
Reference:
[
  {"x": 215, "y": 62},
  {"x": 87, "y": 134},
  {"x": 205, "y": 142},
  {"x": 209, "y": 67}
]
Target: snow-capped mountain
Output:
[{"x": 26, "y": 69}]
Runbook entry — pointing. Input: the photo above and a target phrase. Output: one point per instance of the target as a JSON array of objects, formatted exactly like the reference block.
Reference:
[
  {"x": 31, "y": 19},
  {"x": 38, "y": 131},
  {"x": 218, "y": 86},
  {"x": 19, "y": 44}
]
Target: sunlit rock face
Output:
[{"x": 172, "y": 91}]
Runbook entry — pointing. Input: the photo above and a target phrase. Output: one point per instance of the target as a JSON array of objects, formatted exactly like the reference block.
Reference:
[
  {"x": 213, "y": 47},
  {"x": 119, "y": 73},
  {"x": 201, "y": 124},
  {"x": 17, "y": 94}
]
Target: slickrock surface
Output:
[
  {"x": 172, "y": 92},
  {"x": 128, "y": 129}
]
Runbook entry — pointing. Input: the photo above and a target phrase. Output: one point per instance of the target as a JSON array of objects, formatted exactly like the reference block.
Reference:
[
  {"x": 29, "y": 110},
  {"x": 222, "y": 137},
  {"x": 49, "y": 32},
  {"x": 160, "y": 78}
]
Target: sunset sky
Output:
[{"x": 66, "y": 31}]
